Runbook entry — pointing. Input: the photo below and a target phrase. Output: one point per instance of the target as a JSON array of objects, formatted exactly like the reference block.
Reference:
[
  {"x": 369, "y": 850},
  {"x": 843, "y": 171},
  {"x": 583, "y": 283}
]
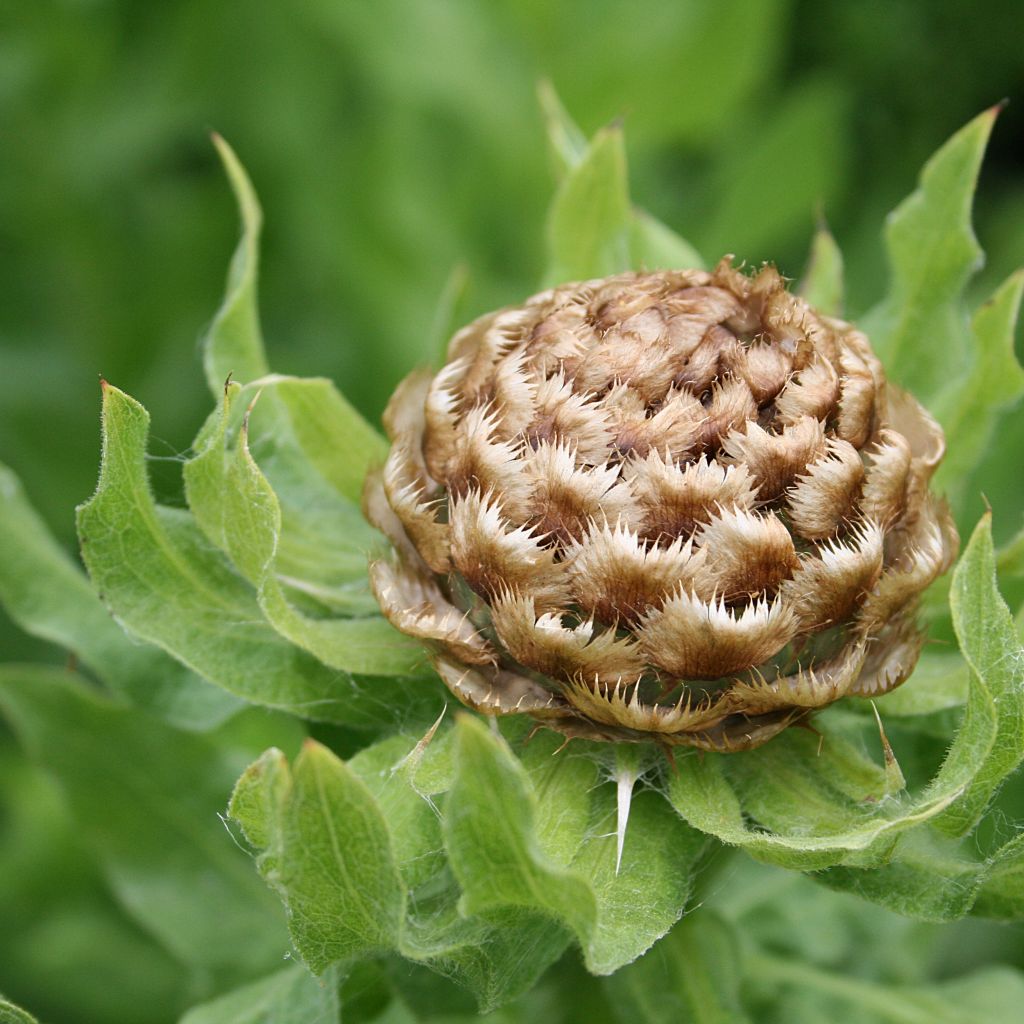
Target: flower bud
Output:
[{"x": 676, "y": 506}]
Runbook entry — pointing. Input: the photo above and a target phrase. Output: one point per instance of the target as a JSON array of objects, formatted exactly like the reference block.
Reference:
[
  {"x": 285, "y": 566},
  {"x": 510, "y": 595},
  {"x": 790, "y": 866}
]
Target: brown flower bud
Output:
[{"x": 677, "y": 506}]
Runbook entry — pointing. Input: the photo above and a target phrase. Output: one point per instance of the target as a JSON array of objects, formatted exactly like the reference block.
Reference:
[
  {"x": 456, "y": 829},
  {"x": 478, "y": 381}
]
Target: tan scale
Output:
[{"x": 677, "y": 506}]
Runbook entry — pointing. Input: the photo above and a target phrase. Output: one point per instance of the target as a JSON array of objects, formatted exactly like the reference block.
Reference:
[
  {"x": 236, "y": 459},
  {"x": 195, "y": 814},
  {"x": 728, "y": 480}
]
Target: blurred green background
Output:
[{"x": 391, "y": 140}]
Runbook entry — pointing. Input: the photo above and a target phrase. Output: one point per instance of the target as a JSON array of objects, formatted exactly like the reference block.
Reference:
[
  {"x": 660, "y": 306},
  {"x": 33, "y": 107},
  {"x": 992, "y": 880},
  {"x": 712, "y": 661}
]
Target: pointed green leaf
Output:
[
  {"x": 291, "y": 996},
  {"x": 49, "y": 596},
  {"x": 990, "y": 644},
  {"x": 491, "y": 837},
  {"x": 589, "y": 220},
  {"x": 496, "y": 956},
  {"x": 238, "y": 510},
  {"x": 257, "y": 802},
  {"x": 575, "y": 819},
  {"x": 543, "y": 838},
  {"x": 566, "y": 143},
  {"x": 322, "y": 543},
  {"x": 234, "y": 342},
  {"x": 328, "y": 854},
  {"x": 146, "y": 797},
  {"x": 969, "y": 409},
  {"x": 388, "y": 771},
  {"x": 821, "y": 807},
  {"x": 920, "y": 330},
  {"x": 822, "y": 284},
  {"x": 651, "y": 245},
  {"x": 638, "y": 903},
  {"x": 163, "y": 582},
  {"x": 693, "y": 975}
]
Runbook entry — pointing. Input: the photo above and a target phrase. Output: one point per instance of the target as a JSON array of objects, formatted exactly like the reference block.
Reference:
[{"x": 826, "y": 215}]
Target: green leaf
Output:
[
  {"x": 589, "y": 220},
  {"x": 929, "y": 878},
  {"x": 338, "y": 442},
  {"x": 48, "y": 595},
  {"x": 11, "y": 1014},
  {"x": 822, "y": 284},
  {"x": 146, "y": 796},
  {"x": 160, "y": 578},
  {"x": 238, "y": 510},
  {"x": 989, "y": 643},
  {"x": 388, "y": 769},
  {"x": 291, "y": 996},
  {"x": 693, "y": 975},
  {"x": 234, "y": 343},
  {"x": 653, "y": 246},
  {"x": 325, "y": 848},
  {"x": 969, "y": 409},
  {"x": 1001, "y": 895},
  {"x": 492, "y": 842},
  {"x": 920, "y": 329},
  {"x": 323, "y": 542},
  {"x": 496, "y": 956},
  {"x": 817, "y": 802},
  {"x": 640, "y": 902},
  {"x": 566, "y": 143},
  {"x": 592, "y": 229},
  {"x": 543, "y": 838},
  {"x": 933, "y": 878}
]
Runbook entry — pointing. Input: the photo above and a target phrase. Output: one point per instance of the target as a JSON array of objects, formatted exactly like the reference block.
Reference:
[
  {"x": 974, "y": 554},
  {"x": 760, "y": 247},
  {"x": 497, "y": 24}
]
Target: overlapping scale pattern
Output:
[{"x": 679, "y": 506}]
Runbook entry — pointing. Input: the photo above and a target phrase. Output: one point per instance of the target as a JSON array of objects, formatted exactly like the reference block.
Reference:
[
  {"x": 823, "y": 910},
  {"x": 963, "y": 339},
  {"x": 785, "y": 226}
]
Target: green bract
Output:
[{"x": 412, "y": 847}]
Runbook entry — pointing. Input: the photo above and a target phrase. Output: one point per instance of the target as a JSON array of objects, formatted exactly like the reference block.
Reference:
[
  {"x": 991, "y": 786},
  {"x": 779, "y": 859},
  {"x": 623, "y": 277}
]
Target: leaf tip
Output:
[{"x": 998, "y": 107}]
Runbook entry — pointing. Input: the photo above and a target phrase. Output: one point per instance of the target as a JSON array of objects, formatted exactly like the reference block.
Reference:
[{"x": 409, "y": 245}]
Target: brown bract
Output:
[{"x": 679, "y": 506}]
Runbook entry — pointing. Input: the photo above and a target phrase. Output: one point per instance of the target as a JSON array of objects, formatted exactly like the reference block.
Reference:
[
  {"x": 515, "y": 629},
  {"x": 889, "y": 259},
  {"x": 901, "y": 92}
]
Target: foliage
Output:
[{"x": 429, "y": 864}]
